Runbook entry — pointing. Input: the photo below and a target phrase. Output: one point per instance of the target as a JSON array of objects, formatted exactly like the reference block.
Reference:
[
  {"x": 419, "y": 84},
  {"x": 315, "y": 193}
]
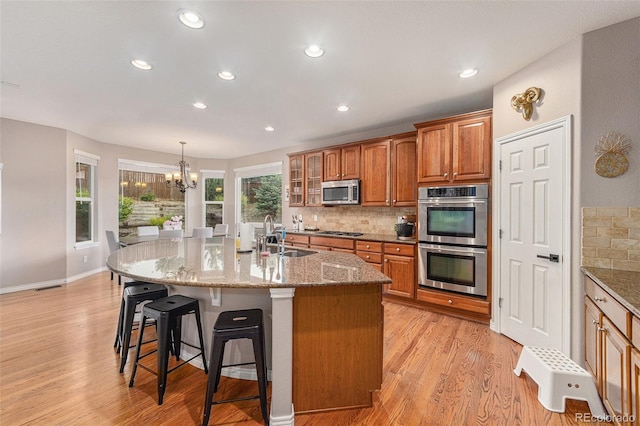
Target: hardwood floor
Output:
[{"x": 57, "y": 367}]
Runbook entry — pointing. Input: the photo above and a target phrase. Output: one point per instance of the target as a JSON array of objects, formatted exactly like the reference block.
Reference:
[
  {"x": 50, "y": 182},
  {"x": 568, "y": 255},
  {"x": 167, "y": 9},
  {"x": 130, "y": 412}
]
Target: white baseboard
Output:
[{"x": 50, "y": 283}]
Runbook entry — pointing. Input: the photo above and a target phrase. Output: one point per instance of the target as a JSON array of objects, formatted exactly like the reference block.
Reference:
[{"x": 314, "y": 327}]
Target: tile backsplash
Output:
[
  {"x": 611, "y": 237},
  {"x": 369, "y": 220}
]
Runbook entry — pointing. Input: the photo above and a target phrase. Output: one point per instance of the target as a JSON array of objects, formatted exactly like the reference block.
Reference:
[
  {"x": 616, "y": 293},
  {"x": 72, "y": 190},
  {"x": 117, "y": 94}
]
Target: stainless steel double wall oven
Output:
[{"x": 453, "y": 235}]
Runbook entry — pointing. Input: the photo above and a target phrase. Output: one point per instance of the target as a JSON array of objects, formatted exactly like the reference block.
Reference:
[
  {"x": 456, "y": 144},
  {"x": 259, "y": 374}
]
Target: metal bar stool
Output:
[
  {"x": 168, "y": 313},
  {"x": 117, "y": 344},
  {"x": 133, "y": 296},
  {"x": 230, "y": 325}
]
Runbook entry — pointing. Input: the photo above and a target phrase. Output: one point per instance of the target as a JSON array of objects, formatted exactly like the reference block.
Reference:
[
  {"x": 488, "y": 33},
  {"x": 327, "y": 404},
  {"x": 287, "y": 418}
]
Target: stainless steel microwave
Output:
[{"x": 339, "y": 192}]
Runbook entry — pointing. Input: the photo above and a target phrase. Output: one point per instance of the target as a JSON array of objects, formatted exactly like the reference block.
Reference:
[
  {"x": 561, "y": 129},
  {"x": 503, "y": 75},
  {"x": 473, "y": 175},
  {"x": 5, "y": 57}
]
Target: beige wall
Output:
[
  {"x": 34, "y": 210},
  {"x": 611, "y": 102}
]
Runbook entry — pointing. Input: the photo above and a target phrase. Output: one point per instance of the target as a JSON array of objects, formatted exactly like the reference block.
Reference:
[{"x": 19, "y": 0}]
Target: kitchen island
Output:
[{"x": 326, "y": 342}]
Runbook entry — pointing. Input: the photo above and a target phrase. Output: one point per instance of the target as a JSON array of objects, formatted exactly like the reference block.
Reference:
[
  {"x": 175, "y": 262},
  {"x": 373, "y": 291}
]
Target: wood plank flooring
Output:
[{"x": 58, "y": 367}]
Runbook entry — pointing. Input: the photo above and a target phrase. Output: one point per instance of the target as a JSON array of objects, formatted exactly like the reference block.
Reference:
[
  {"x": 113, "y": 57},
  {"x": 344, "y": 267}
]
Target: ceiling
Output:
[{"x": 67, "y": 64}]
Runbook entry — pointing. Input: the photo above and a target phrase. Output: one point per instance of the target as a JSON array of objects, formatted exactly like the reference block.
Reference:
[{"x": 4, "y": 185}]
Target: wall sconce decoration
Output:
[
  {"x": 612, "y": 151},
  {"x": 524, "y": 101}
]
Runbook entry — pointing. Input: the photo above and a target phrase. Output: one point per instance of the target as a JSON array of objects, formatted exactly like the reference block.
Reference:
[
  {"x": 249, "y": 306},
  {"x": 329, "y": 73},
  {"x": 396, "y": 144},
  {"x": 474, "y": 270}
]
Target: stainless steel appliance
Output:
[
  {"x": 452, "y": 235},
  {"x": 456, "y": 268},
  {"x": 339, "y": 192},
  {"x": 454, "y": 215}
]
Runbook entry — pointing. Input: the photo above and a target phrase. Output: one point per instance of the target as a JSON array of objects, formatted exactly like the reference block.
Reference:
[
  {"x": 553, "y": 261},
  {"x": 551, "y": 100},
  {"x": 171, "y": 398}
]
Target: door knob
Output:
[{"x": 552, "y": 257}]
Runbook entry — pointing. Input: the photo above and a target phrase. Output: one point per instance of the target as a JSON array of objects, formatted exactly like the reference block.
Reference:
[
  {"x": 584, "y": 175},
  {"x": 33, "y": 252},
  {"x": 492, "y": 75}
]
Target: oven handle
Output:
[
  {"x": 452, "y": 202},
  {"x": 468, "y": 251}
]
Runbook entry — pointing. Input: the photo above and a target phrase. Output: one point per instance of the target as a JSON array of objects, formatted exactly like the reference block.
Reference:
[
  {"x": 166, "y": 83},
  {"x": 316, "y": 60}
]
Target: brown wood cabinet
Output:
[
  {"x": 458, "y": 302},
  {"x": 635, "y": 383},
  {"x": 376, "y": 174},
  {"x": 342, "y": 163},
  {"x": 455, "y": 149},
  {"x": 296, "y": 240},
  {"x": 610, "y": 353},
  {"x": 296, "y": 180},
  {"x": 337, "y": 329},
  {"x": 313, "y": 179},
  {"x": 346, "y": 245},
  {"x": 370, "y": 252},
  {"x": 403, "y": 171},
  {"x": 305, "y": 179},
  {"x": 400, "y": 266}
]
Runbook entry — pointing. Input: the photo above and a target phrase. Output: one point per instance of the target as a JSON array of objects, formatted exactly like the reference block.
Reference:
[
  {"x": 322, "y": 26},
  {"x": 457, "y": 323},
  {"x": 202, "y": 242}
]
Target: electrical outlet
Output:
[
  {"x": 85, "y": 259},
  {"x": 399, "y": 219},
  {"x": 315, "y": 217}
]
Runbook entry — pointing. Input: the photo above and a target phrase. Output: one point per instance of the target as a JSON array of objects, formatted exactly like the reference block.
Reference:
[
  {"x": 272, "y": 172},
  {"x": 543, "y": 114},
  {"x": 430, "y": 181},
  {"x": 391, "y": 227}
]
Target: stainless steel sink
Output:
[{"x": 297, "y": 253}]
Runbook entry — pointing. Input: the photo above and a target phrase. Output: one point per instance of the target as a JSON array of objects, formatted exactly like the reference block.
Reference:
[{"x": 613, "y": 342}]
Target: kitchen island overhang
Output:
[{"x": 326, "y": 341}]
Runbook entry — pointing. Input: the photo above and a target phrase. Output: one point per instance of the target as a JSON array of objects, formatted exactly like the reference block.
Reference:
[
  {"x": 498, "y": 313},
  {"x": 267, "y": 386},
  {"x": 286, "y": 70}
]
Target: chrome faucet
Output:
[{"x": 264, "y": 224}]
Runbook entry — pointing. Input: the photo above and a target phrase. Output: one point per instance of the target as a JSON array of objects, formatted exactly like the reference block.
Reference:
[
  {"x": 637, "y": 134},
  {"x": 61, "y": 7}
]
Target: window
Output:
[
  {"x": 145, "y": 198},
  {"x": 213, "y": 197},
  {"x": 259, "y": 193},
  {"x": 85, "y": 196}
]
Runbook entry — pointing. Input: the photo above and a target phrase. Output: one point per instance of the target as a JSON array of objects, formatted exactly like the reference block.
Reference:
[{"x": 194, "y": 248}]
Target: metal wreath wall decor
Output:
[
  {"x": 523, "y": 102},
  {"x": 612, "y": 151}
]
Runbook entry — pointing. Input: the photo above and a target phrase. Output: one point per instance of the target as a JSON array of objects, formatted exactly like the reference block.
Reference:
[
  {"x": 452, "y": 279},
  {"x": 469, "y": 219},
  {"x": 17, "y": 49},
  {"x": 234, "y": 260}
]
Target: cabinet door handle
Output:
[
  {"x": 386, "y": 260},
  {"x": 386, "y": 201},
  {"x": 455, "y": 174},
  {"x": 602, "y": 329},
  {"x": 394, "y": 201},
  {"x": 599, "y": 299},
  {"x": 446, "y": 174},
  {"x": 338, "y": 175}
]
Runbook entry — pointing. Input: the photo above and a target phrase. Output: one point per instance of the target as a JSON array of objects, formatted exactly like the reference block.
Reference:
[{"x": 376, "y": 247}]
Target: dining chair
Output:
[
  {"x": 170, "y": 233},
  {"x": 114, "y": 245},
  {"x": 144, "y": 231},
  {"x": 221, "y": 229},
  {"x": 206, "y": 232}
]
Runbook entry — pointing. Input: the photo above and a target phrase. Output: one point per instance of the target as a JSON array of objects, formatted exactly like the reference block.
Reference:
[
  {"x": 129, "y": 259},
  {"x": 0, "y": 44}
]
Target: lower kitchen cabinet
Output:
[
  {"x": 400, "y": 266},
  {"x": 296, "y": 240},
  {"x": 344, "y": 245},
  {"x": 370, "y": 252},
  {"x": 609, "y": 354}
]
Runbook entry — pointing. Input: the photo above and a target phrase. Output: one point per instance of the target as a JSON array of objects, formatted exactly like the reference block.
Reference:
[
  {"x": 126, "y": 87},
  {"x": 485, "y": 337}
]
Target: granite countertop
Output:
[
  {"x": 624, "y": 286},
  {"x": 383, "y": 238},
  {"x": 214, "y": 262}
]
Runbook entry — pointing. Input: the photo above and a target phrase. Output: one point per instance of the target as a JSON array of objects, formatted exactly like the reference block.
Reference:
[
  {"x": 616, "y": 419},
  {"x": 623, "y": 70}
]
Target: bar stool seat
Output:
[
  {"x": 230, "y": 325},
  {"x": 168, "y": 313},
  {"x": 133, "y": 296}
]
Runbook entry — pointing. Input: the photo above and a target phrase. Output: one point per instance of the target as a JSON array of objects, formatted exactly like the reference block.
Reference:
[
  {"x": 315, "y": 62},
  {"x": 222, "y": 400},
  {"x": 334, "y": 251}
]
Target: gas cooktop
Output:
[{"x": 341, "y": 233}]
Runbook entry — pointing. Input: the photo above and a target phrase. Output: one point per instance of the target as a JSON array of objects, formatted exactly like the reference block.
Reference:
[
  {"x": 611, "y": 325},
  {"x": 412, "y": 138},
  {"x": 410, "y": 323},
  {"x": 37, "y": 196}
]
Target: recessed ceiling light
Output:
[
  {"x": 191, "y": 19},
  {"x": 140, "y": 64},
  {"x": 226, "y": 75},
  {"x": 468, "y": 73},
  {"x": 314, "y": 51},
  {"x": 343, "y": 108},
  {"x": 270, "y": 128},
  {"x": 199, "y": 105}
]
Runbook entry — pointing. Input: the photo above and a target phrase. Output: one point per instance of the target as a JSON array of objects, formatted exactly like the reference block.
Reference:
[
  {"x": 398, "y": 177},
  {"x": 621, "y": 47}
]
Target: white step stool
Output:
[{"x": 559, "y": 378}]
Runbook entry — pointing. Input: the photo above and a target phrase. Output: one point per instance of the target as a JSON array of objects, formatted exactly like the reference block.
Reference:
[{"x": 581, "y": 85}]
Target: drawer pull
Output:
[
  {"x": 397, "y": 248},
  {"x": 595, "y": 322},
  {"x": 599, "y": 299},
  {"x": 368, "y": 257},
  {"x": 368, "y": 246},
  {"x": 450, "y": 301}
]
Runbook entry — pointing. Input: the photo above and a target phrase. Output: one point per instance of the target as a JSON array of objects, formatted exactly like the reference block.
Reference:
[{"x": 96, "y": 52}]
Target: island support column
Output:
[{"x": 282, "y": 357}]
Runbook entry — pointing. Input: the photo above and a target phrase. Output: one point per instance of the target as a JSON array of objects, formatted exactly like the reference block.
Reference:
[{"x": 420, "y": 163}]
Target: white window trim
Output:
[
  {"x": 141, "y": 166},
  {"x": 0, "y": 198},
  {"x": 249, "y": 172},
  {"x": 204, "y": 174},
  {"x": 91, "y": 160}
]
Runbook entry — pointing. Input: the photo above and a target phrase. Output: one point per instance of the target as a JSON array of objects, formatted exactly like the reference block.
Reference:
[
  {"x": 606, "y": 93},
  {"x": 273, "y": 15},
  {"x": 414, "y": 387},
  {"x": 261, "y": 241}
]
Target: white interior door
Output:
[{"x": 534, "y": 222}]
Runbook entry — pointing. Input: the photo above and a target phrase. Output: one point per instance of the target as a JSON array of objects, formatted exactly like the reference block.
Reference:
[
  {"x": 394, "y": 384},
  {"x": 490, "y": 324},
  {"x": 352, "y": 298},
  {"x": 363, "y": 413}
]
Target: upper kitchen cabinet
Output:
[
  {"x": 455, "y": 149},
  {"x": 313, "y": 179},
  {"x": 403, "y": 171},
  {"x": 305, "y": 178},
  {"x": 296, "y": 180},
  {"x": 342, "y": 163},
  {"x": 389, "y": 171},
  {"x": 376, "y": 174}
]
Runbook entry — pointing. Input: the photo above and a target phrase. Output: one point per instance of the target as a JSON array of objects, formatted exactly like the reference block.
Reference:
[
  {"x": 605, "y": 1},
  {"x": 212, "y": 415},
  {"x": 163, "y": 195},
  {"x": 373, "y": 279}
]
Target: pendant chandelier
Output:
[{"x": 182, "y": 179}]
